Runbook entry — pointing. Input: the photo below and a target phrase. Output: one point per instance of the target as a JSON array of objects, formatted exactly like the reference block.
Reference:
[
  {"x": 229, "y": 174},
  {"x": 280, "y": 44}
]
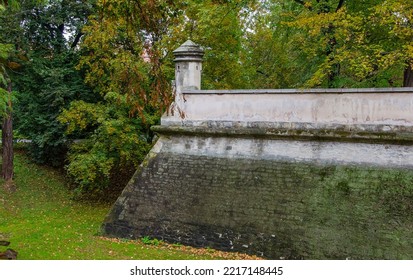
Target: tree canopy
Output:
[{"x": 357, "y": 44}]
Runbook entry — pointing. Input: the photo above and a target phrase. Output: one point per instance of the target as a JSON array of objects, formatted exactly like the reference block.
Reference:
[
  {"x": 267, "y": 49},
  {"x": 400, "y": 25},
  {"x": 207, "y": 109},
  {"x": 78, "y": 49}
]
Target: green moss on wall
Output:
[
  {"x": 360, "y": 212},
  {"x": 278, "y": 209}
]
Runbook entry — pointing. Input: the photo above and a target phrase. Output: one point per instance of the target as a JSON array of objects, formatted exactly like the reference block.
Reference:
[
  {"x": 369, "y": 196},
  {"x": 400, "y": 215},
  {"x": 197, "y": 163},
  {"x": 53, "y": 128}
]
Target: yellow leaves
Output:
[
  {"x": 87, "y": 167},
  {"x": 110, "y": 130},
  {"x": 115, "y": 62},
  {"x": 394, "y": 17},
  {"x": 363, "y": 41},
  {"x": 308, "y": 5},
  {"x": 361, "y": 66},
  {"x": 315, "y": 23},
  {"x": 80, "y": 116},
  {"x": 163, "y": 247},
  {"x": 409, "y": 50}
]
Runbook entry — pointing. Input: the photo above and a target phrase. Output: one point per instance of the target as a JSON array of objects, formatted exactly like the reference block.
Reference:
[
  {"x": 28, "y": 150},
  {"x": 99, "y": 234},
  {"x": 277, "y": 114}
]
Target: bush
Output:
[{"x": 117, "y": 143}]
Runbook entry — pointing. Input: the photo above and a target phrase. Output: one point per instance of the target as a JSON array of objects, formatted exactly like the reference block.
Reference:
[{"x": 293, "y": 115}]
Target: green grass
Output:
[{"x": 43, "y": 222}]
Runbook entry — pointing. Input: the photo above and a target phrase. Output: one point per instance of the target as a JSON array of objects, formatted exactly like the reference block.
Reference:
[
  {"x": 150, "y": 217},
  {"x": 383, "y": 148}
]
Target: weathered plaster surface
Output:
[
  {"x": 389, "y": 107},
  {"x": 318, "y": 152}
]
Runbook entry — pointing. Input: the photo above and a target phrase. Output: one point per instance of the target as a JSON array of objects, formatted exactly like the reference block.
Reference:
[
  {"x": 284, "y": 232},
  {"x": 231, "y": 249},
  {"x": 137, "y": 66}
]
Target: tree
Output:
[
  {"x": 117, "y": 143},
  {"x": 392, "y": 21},
  {"x": 133, "y": 92},
  {"x": 319, "y": 19},
  {"x": 218, "y": 27},
  {"x": 48, "y": 36},
  {"x": 7, "y": 138},
  {"x": 6, "y": 98},
  {"x": 362, "y": 43},
  {"x": 273, "y": 58}
]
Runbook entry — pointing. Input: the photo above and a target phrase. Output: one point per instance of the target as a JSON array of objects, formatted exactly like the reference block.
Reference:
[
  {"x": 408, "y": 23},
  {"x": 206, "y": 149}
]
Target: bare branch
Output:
[
  {"x": 340, "y": 5},
  {"x": 76, "y": 40},
  {"x": 300, "y": 2}
]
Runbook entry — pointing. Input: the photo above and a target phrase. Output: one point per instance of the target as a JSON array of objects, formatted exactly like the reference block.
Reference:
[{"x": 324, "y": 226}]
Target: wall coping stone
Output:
[
  {"x": 302, "y": 91},
  {"x": 300, "y": 131}
]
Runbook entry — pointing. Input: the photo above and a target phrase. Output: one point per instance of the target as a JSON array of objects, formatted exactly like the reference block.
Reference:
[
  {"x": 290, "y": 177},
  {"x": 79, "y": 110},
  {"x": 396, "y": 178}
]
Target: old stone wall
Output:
[{"x": 279, "y": 198}]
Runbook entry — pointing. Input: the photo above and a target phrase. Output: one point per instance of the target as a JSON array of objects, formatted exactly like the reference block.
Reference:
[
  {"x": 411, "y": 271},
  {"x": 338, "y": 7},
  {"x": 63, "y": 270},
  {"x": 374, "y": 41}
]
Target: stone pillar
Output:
[{"x": 188, "y": 66}]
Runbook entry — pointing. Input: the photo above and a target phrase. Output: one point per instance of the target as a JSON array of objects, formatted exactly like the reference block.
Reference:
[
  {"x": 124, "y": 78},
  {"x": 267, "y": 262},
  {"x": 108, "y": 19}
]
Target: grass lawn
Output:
[{"x": 42, "y": 222}]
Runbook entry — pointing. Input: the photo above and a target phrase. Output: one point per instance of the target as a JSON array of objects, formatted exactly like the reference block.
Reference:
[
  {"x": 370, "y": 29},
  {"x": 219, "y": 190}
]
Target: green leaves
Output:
[
  {"x": 218, "y": 27},
  {"x": 5, "y": 50},
  {"x": 118, "y": 37},
  {"x": 359, "y": 42},
  {"x": 133, "y": 91},
  {"x": 11, "y": 4},
  {"x": 5, "y": 96},
  {"x": 41, "y": 68},
  {"x": 116, "y": 140}
]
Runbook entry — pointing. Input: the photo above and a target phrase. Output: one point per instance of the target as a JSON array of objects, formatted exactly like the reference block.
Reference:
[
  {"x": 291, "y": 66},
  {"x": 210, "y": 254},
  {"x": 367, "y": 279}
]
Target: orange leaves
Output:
[
  {"x": 13, "y": 65},
  {"x": 116, "y": 40}
]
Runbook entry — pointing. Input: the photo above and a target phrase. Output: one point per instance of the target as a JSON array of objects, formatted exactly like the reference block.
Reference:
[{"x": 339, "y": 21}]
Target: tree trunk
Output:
[
  {"x": 408, "y": 76},
  {"x": 7, "y": 141}
]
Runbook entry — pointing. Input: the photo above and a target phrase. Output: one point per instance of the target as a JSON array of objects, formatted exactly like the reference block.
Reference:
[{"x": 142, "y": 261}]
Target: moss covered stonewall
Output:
[
  {"x": 357, "y": 212},
  {"x": 291, "y": 210}
]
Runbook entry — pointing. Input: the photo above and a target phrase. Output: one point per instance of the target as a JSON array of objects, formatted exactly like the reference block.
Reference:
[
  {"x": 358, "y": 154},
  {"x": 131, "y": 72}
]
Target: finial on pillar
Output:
[{"x": 188, "y": 66}]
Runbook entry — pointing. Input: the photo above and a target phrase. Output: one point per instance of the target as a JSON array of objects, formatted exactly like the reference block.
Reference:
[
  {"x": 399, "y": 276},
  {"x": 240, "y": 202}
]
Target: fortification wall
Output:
[
  {"x": 318, "y": 107},
  {"x": 318, "y": 174},
  {"x": 271, "y": 197}
]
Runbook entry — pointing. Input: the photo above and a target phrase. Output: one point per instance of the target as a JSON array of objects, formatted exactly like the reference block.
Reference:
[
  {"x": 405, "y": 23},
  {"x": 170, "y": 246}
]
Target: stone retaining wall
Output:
[{"x": 273, "y": 198}]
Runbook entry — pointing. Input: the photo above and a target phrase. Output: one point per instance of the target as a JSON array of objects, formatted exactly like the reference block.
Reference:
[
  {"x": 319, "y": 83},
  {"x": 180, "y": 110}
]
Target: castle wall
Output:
[
  {"x": 290, "y": 174},
  {"x": 390, "y": 106},
  {"x": 270, "y": 196}
]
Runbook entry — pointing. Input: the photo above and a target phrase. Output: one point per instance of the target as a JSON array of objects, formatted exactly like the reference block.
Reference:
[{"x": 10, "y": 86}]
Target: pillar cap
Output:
[{"x": 188, "y": 51}]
